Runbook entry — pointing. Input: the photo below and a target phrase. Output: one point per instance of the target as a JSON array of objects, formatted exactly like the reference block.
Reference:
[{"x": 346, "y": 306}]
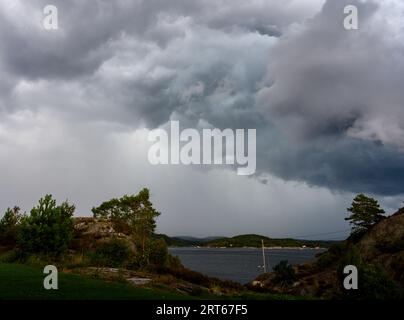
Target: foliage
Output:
[
  {"x": 173, "y": 262},
  {"x": 114, "y": 253},
  {"x": 387, "y": 246},
  {"x": 158, "y": 253},
  {"x": 11, "y": 256},
  {"x": 331, "y": 256},
  {"x": 373, "y": 281},
  {"x": 365, "y": 213},
  {"x": 9, "y": 226},
  {"x": 48, "y": 229},
  {"x": 377, "y": 284},
  {"x": 135, "y": 210},
  {"x": 284, "y": 273}
]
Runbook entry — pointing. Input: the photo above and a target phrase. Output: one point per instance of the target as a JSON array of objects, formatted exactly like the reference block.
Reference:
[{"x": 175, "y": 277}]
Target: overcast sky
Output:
[{"x": 76, "y": 105}]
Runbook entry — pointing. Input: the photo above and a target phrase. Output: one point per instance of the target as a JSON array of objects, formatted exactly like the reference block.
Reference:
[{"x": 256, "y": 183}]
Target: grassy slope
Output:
[{"x": 23, "y": 282}]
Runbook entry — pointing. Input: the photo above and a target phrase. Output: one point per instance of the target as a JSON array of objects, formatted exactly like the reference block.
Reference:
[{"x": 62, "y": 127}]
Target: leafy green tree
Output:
[
  {"x": 136, "y": 211},
  {"x": 365, "y": 213},
  {"x": 9, "y": 226},
  {"x": 48, "y": 229}
]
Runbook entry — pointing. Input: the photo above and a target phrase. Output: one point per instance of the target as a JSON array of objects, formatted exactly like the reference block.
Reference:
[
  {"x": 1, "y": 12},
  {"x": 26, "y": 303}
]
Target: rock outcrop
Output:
[{"x": 89, "y": 233}]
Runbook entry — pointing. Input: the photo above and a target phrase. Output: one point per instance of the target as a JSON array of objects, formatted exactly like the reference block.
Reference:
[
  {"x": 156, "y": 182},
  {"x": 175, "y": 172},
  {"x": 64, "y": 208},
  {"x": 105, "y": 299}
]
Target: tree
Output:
[
  {"x": 135, "y": 210},
  {"x": 48, "y": 229},
  {"x": 9, "y": 226},
  {"x": 365, "y": 213}
]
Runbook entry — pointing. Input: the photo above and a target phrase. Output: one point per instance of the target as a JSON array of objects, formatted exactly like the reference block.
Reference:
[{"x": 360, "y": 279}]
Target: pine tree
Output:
[{"x": 366, "y": 212}]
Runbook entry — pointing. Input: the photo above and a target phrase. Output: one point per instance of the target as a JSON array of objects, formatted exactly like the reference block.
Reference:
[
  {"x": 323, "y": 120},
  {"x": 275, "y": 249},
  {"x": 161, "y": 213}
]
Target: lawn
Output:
[{"x": 19, "y": 282}]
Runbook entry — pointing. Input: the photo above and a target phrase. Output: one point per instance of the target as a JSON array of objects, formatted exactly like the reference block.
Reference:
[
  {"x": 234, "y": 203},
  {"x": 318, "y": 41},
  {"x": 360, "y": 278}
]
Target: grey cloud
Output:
[
  {"x": 335, "y": 101},
  {"x": 312, "y": 90},
  {"x": 175, "y": 45},
  {"x": 87, "y": 28}
]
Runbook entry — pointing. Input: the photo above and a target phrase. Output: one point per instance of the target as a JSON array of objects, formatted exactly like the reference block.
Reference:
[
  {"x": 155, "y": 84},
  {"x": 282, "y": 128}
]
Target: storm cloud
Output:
[
  {"x": 327, "y": 103},
  {"x": 336, "y": 98}
]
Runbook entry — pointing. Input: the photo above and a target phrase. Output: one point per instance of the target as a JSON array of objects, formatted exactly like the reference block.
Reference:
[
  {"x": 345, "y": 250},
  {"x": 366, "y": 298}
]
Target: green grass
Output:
[{"x": 20, "y": 282}]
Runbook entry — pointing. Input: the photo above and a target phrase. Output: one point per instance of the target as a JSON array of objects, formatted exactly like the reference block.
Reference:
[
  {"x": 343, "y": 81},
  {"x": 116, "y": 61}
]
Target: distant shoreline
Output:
[
  {"x": 271, "y": 248},
  {"x": 245, "y": 241}
]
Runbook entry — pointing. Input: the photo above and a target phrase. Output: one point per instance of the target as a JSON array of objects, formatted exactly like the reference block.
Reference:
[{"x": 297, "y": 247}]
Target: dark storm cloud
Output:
[
  {"x": 327, "y": 103},
  {"x": 335, "y": 100},
  {"x": 339, "y": 164}
]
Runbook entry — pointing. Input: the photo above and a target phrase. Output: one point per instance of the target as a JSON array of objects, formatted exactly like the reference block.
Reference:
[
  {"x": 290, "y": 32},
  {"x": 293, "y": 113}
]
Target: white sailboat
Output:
[{"x": 264, "y": 264}]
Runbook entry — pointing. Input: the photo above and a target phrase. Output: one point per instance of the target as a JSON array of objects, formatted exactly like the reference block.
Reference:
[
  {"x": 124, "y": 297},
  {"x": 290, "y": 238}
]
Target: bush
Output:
[
  {"x": 284, "y": 273},
  {"x": 48, "y": 229},
  {"x": 114, "y": 253},
  {"x": 158, "y": 252},
  {"x": 331, "y": 256},
  {"x": 391, "y": 247},
  {"x": 139, "y": 261},
  {"x": 173, "y": 262},
  {"x": 373, "y": 281},
  {"x": 325, "y": 260},
  {"x": 11, "y": 257}
]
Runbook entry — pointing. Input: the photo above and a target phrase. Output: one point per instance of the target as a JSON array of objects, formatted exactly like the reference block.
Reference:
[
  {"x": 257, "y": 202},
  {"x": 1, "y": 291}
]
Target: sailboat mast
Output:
[{"x": 263, "y": 256}]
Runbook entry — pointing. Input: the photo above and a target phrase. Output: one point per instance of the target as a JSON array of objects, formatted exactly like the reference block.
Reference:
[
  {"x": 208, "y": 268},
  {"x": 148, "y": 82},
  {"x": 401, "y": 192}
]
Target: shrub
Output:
[
  {"x": 173, "y": 262},
  {"x": 373, "y": 281},
  {"x": 11, "y": 257},
  {"x": 284, "y": 273},
  {"x": 139, "y": 261},
  {"x": 391, "y": 246},
  {"x": 324, "y": 260},
  {"x": 48, "y": 229},
  {"x": 158, "y": 252},
  {"x": 114, "y": 253},
  {"x": 331, "y": 256}
]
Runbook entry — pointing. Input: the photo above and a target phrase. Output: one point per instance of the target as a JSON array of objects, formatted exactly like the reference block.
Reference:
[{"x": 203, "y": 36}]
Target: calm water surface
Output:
[{"x": 238, "y": 264}]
